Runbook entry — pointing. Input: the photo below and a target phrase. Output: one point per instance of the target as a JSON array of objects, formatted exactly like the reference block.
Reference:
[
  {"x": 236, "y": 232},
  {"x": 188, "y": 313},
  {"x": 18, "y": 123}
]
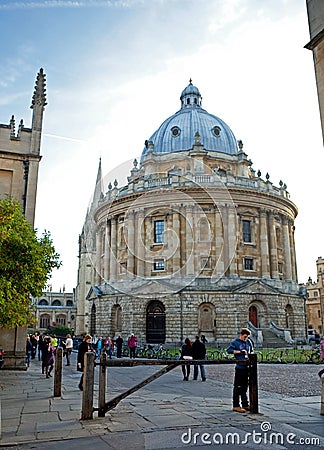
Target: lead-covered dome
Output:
[{"x": 177, "y": 133}]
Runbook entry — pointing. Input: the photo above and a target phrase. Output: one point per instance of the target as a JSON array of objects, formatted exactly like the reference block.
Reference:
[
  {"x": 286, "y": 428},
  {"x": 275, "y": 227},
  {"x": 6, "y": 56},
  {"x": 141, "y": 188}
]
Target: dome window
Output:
[
  {"x": 216, "y": 131},
  {"x": 175, "y": 131}
]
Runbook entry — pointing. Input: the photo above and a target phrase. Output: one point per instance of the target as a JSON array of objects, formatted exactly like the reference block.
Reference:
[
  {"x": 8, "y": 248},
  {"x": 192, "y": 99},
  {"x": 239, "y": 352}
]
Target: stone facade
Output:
[
  {"x": 315, "y": 13},
  {"x": 19, "y": 161},
  {"x": 315, "y": 299},
  {"x": 55, "y": 308},
  {"x": 196, "y": 242}
]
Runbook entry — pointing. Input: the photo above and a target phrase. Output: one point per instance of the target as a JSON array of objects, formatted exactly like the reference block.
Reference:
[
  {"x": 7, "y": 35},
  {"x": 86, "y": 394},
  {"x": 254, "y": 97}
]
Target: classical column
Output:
[
  {"x": 107, "y": 251},
  {"x": 98, "y": 257},
  {"x": 131, "y": 244},
  {"x": 232, "y": 239},
  {"x": 292, "y": 250},
  {"x": 140, "y": 234},
  {"x": 264, "y": 246},
  {"x": 176, "y": 242},
  {"x": 273, "y": 247},
  {"x": 190, "y": 247},
  {"x": 219, "y": 243},
  {"x": 113, "y": 249},
  {"x": 288, "y": 271}
]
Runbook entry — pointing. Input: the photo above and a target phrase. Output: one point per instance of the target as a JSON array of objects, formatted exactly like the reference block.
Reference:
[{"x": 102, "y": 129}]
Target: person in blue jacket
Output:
[{"x": 240, "y": 348}]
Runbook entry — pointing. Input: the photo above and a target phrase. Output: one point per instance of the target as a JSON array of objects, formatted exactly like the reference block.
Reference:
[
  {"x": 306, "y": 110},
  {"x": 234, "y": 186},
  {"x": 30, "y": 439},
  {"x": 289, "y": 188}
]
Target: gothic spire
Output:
[
  {"x": 99, "y": 187},
  {"x": 39, "y": 97}
]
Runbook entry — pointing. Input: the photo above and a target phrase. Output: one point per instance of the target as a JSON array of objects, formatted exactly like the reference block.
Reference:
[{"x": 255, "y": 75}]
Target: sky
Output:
[{"x": 115, "y": 70}]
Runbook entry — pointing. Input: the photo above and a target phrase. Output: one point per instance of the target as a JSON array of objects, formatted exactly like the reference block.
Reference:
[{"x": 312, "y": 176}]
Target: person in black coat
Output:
[
  {"x": 186, "y": 353},
  {"x": 199, "y": 352},
  {"x": 119, "y": 346},
  {"x": 84, "y": 347}
]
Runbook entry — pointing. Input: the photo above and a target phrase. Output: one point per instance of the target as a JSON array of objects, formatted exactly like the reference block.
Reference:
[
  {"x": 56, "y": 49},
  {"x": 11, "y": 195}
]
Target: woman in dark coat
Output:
[
  {"x": 48, "y": 357},
  {"x": 84, "y": 347},
  {"x": 186, "y": 353}
]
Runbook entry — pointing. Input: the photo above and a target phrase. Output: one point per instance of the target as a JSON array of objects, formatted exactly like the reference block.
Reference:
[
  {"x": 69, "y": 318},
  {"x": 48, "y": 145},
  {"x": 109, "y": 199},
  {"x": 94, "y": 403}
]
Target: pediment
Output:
[{"x": 257, "y": 287}]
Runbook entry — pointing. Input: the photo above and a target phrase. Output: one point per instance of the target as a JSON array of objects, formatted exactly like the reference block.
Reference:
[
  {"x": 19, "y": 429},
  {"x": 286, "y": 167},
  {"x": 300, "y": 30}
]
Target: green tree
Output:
[{"x": 26, "y": 263}]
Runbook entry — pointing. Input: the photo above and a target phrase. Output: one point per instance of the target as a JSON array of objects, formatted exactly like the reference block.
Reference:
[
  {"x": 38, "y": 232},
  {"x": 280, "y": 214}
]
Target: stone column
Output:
[
  {"x": 175, "y": 242},
  {"x": 288, "y": 271},
  {"x": 292, "y": 250},
  {"x": 107, "y": 251},
  {"x": 232, "y": 239},
  {"x": 273, "y": 247},
  {"x": 98, "y": 257},
  {"x": 219, "y": 243},
  {"x": 131, "y": 244},
  {"x": 190, "y": 246},
  {"x": 140, "y": 235},
  {"x": 264, "y": 246},
  {"x": 113, "y": 249}
]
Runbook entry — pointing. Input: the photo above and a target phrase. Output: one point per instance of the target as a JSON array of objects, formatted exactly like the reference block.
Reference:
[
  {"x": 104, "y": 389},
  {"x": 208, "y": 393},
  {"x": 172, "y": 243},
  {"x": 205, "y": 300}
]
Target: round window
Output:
[
  {"x": 216, "y": 131},
  {"x": 175, "y": 131}
]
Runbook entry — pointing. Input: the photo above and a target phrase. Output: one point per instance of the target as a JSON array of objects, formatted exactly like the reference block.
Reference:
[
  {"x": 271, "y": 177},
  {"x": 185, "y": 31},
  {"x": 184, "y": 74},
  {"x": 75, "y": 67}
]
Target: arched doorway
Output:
[
  {"x": 207, "y": 320},
  {"x": 116, "y": 320},
  {"x": 155, "y": 322},
  {"x": 253, "y": 316}
]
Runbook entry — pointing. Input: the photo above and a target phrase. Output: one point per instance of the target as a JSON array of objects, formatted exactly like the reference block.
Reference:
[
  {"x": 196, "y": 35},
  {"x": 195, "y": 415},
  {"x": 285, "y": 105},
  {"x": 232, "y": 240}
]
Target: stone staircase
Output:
[{"x": 271, "y": 340}]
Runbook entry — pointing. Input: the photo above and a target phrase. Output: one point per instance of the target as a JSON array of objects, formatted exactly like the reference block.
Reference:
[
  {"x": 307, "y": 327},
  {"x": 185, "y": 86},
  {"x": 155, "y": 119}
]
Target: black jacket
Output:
[
  {"x": 84, "y": 347},
  {"x": 198, "y": 350}
]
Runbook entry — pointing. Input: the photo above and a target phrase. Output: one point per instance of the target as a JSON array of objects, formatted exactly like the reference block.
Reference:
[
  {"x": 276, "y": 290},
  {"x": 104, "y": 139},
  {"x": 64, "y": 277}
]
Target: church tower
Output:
[{"x": 20, "y": 154}]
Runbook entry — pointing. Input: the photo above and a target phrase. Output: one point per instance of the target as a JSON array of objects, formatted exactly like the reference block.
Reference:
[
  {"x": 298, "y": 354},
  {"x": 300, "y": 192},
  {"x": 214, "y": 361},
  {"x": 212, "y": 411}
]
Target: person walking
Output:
[
  {"x": 49, "y": 360},
  {"x": 68, "y": 348},
  {"x": 241, "y": 347},
  {"x": 84, "y": 347},
  {"x": 119, "y": 346},
  {"x": 186, "y": 354},
  {"x": 132, "y": 344},
  {"x": 199, "y": 352},
  {"x": 29, "y": 350},
  {"x": 99, "y": 348}
]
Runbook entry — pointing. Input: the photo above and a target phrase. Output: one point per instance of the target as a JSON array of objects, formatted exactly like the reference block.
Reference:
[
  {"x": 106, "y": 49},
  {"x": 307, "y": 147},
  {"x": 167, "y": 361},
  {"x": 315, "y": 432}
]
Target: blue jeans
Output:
[{"x": 202, "y": 371}]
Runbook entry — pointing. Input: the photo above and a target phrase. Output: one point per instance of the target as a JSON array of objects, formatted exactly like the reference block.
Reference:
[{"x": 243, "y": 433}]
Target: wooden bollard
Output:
[
  {"x": 88, "y": 383},
  {"x": 322, "y": 396},
  {"x": 102, "y": 386},
  {"x": 253, "y": 383},
  {"x": 58, "y": 372}
]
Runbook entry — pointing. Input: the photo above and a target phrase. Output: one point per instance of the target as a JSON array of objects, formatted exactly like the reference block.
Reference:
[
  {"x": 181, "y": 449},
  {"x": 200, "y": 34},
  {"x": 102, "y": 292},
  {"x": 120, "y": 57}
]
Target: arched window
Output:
[
  {"x": 69, "y": 303},
  {"x": 207, "y": 319},
  {"x": 44, "y": 321},
  {"x": 204, "y": 230},
  {"x": 116, "y": 320},
  {"x": 56, "y": 303},
  {"x": 43, "y": 302},
  {"x": 93, "y": 320},
  {"x": 61, "y": 319}
]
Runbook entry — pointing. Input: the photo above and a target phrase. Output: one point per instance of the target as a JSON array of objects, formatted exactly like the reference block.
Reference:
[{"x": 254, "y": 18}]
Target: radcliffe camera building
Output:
[{"x": 195, "y": 242}]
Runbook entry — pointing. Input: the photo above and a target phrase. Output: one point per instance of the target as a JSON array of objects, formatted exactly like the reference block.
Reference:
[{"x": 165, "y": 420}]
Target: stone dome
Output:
[{"x": 177, "y": 133}]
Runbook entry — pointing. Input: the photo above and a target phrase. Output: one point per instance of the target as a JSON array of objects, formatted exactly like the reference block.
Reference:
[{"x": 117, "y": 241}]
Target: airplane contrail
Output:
[
  {"x": 66, "y": 4},
  {"x": 64, "y": 138}
]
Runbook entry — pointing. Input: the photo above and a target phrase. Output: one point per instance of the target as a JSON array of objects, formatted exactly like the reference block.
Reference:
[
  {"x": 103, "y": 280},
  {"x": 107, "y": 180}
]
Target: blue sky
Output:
[{"x": 115, "y": 71}]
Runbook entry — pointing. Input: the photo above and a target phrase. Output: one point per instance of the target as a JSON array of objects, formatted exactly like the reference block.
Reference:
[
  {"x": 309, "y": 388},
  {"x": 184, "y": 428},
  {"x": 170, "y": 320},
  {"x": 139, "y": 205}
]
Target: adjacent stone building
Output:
[
  {"x": 19, "y": 161},
  {"x": 196, "y": 242},
  {"x": 55, "y": 308},
  {"x": 315, "y": 11},
  {"x": 315, "y": 299}
]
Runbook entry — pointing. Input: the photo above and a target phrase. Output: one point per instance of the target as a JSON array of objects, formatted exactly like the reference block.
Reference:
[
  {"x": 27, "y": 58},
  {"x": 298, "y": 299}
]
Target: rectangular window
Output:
[
  {"x": 158, "y": 231},
  {"x": 280, "y": 267},
  {"x": 248, "y": 264},
  {"x": 315, "y": 294},
  {"x": 246, "y": 226},
  {"x": 158, "y": 264},
  {"x": 205, "y": 263},
  {"x": 319, "y": 313}
]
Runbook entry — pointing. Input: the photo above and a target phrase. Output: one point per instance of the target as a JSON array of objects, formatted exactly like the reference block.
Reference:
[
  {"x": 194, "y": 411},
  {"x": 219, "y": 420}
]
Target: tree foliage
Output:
[{"x": 26, "y": 263}]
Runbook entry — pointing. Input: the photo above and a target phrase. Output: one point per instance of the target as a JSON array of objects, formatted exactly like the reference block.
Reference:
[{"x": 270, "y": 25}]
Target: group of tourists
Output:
[
  {"x": 45, "y": 346},
  {"x": 111, "y": 347}
]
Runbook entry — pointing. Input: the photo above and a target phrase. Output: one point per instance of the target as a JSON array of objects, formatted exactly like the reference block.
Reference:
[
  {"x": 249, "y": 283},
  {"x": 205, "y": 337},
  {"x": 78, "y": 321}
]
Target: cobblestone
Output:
[{"x": 294, "y": 380}]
